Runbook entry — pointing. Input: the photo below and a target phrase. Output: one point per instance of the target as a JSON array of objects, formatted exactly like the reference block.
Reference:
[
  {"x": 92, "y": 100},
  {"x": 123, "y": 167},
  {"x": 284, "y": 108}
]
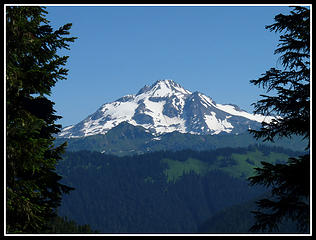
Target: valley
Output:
[{"x": 162, "y": 191}]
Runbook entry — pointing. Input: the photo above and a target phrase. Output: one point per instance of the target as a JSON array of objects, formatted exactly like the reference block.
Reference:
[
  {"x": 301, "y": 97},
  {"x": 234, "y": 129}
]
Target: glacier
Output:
[{"x": 164, "y": 107}]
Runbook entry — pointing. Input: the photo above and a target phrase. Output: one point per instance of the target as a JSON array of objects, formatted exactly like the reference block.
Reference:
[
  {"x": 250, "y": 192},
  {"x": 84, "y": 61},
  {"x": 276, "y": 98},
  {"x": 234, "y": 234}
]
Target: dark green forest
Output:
[
  {"x": 159, "y": 192},
  {"x": 62, "y": 225},
  {"x": 239, "y": 219}
]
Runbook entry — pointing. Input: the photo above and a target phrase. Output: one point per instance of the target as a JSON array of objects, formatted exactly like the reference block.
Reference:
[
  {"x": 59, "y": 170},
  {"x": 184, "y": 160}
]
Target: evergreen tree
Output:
[
  {"x": 33, "y": 190},
  {"x": 291, "y": 103}
]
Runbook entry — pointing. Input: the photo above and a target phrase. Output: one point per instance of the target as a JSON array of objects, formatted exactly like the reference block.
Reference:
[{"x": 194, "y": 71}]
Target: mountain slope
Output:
[
  {"x": 160, "y": 192},
  {"x": 165, "y": 107},
  {"x": 126, "y": 139},
  {"x": 238, "y": 219}
]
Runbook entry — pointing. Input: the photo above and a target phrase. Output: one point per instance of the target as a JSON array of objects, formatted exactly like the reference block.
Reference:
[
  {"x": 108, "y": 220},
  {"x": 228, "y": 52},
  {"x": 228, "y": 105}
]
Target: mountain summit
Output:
[{"x": 165, "y": 107}]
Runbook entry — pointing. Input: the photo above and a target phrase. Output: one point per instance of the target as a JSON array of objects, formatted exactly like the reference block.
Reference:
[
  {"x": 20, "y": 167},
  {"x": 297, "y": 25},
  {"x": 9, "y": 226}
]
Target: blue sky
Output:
[{"x": 216, "y": 50}]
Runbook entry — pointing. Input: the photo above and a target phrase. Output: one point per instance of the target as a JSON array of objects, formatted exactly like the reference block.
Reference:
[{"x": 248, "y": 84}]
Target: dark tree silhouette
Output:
[
  {"x": 291, "y": 106},
  {"x": 33, "y": 191}
]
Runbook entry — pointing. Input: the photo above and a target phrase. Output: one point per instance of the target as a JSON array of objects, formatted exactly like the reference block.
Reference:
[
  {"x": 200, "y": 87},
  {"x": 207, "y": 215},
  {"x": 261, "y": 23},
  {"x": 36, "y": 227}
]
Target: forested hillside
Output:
[
  {"x": 160, "y": 192},
  {"x": 239, "y": 219},
  {"x": 126, "y": 139}
]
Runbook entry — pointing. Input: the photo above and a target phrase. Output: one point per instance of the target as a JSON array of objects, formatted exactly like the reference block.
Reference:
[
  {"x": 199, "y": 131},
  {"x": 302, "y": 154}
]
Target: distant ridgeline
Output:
[
  {"x": 126, "y": 139},
  {"x": 165, "y": 191}
]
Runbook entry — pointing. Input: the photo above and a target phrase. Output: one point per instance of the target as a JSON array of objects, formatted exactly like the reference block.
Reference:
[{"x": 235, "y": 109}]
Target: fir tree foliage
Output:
[
  {"x": 33, "y": 190},
  {"x": 291, "y": 103}
]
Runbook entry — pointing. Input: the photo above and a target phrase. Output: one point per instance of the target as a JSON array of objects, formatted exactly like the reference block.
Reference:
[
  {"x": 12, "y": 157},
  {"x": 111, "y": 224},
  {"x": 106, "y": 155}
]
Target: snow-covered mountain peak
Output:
[
  {"x": 163, "y": 88},
  {"x": 166, "y": 106}
]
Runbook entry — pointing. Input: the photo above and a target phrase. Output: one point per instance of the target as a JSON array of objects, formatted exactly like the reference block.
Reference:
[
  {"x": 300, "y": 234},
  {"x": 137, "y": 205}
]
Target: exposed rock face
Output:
[{"x": 165, "y": 107}]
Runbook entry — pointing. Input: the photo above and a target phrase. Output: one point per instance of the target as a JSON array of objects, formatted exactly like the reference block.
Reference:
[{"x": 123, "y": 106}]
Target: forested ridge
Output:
[
  {"x": 132, "y": 194},
  {"x": 126, "y": 139}
]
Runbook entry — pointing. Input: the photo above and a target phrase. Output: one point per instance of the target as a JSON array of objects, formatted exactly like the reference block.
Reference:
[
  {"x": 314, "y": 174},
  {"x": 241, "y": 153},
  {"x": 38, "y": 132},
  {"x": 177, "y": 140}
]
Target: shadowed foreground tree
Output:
[
  {"x": 33, "y": 191},
  {"x": 289, "y": 183}
]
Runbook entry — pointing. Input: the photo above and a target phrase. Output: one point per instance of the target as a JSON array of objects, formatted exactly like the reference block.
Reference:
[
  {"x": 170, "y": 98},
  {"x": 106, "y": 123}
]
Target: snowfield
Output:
[{"x": 165, "y": 107}]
